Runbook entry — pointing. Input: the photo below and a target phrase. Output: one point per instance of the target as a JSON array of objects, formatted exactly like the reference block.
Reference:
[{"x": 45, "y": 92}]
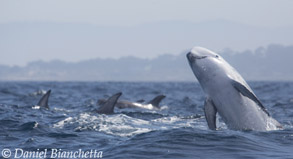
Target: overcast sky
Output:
[{"x": 131, "y": 13}]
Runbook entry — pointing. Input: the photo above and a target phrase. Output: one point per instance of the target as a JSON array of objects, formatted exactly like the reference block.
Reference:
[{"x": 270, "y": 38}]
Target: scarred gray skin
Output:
[
  {"x": 216, "y": 78},
  {"x": 153, "y": 104}
]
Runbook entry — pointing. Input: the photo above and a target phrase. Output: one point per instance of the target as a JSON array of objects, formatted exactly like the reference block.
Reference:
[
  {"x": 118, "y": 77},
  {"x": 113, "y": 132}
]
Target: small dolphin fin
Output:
[
  {"x": 101, "y": 102},
  {"x": 210, "y": 113},
  {"x": 140, "y": 101},
  {"x": 246, "y": 92},
  {"x": 108, "y": 106},
  {"x": 44, "y": 100},
  {"x": 156, "y": 101}
]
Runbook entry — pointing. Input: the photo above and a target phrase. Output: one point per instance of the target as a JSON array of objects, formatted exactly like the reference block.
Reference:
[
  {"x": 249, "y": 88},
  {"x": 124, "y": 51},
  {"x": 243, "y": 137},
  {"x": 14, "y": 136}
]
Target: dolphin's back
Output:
[{"x": 125, "y": 104}]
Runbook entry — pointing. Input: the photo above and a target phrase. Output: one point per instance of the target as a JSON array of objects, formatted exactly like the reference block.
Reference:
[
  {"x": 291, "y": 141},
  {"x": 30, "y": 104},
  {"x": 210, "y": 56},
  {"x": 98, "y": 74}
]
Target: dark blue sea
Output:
[{"x": 177, "y": 130}]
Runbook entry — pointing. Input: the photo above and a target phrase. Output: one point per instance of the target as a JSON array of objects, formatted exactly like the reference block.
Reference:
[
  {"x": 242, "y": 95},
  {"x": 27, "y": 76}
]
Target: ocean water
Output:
[{"x": 177, "y": 130}]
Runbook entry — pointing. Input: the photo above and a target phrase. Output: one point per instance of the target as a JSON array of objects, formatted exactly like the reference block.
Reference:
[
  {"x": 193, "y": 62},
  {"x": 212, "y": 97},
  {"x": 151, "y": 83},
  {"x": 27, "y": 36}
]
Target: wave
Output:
[{"x": 126, "y": 126}]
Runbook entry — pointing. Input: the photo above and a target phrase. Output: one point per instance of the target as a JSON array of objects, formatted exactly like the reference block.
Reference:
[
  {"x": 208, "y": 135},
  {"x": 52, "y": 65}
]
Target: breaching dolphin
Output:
[
  {"x": 43, "y": 103},
  {"x": 153, "y": 104},
  {"x": 228, "y": 94},
  {"x": 108, "y": 106}
]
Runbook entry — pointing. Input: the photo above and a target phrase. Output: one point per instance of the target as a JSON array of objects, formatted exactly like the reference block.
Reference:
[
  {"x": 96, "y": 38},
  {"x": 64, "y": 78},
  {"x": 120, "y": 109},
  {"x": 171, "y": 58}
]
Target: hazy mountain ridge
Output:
[
  {"x": 64, "y": 40},
  {"x": 271, "y": 63}
]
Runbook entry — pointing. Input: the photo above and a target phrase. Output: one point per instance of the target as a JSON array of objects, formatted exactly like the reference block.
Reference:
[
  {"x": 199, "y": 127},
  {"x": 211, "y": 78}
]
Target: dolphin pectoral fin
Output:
[
  {"x": 44, "y": 100},
  {"x": 210, "y": 113},
  {"x": 246, "y": 92},
  {"x": 108, "y": 106},
  {"x": 156, "y": 101}
]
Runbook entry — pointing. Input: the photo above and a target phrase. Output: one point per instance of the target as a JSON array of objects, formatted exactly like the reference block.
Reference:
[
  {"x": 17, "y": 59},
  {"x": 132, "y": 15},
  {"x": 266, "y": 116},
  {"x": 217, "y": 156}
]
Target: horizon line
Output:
[{"x": 222, "y": 52}]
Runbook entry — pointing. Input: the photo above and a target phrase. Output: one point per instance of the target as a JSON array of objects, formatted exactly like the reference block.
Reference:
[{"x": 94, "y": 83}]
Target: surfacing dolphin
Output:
[
  {"x": 108, "y": 106},
  {"x": 228, "y": 94},
  {"x": 43, "y": 103},
  {"x": 153, "y": 104}
]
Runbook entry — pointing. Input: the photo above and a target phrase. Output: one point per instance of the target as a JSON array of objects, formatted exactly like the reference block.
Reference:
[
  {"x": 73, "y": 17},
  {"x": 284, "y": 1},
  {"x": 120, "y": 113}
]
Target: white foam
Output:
[
  {"x": 271, "y": 125},
  {"x": 125, "y": 126},
  {"x": 61, "y": 123},
  {"x": 36, "y": 107},
  {"x": 62, "y": 110},
  {"x": 164, "y": 107},
  {"x": 39, "y": 92}
]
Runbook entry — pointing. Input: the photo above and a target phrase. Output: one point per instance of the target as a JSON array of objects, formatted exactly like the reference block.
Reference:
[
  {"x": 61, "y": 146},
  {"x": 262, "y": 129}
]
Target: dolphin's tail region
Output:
[
  {"x": 156, "y": 101},
  {"x": 108, "y": 106},
  {"x": 44, "y": 100}
]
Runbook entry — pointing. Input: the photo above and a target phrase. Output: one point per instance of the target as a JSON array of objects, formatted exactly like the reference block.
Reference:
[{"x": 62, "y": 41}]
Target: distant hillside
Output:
[
  {"x": 74, "y": 42},
  {"x": 271, "y": 63}
]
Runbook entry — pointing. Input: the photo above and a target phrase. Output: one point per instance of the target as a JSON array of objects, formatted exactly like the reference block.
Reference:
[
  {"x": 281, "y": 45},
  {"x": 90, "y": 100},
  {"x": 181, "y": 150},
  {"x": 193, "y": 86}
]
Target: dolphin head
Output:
[
  {"x": 199, "y": 53},
  {"x": 204, "y": 63}
]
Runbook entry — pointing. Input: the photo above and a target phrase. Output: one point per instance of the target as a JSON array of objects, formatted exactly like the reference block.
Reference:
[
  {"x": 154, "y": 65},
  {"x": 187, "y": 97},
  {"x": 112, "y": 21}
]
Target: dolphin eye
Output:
[{"x": 217, "y": 56}]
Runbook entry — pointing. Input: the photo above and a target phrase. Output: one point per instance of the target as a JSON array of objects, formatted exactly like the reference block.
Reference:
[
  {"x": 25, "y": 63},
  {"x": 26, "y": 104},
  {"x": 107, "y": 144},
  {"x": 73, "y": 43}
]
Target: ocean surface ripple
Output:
[{"x": 177, "y": 130}]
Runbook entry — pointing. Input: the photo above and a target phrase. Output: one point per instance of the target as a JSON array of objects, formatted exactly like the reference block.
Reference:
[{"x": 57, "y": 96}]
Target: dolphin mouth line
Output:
[
  {"x": 191, "y": 56},
  {"x": 200, "y": 57}
]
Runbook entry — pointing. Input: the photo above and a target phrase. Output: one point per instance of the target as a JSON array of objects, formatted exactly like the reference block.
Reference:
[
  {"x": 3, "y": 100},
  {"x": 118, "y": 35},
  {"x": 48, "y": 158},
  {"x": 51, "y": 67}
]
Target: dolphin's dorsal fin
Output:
[
  {"x": 140, "y": 101},
  {"x": 44, "y": 100},
  {"x": 210, "y": 112},
  {"x": 108, "y": 106},
  {"x": 246, "y": 92},
  {"x": 101, "y": 101},
  {"x": 156, "y": 101}
]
